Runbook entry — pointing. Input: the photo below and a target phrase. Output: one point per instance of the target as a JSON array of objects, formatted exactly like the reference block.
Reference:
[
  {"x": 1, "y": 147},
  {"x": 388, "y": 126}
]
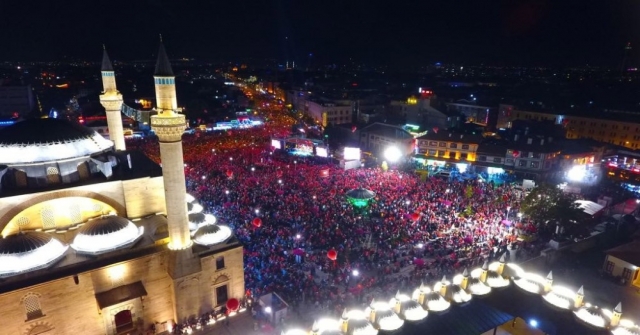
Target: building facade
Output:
[
  {"x": 16, "y": 101},
  {"x": 329, "y": 113},
  {"x": 378, "y": 137},
  {"x": 611, "y": 127},
  {"x": 438, "y": 148},
  {"x": 473, "y": 113}
]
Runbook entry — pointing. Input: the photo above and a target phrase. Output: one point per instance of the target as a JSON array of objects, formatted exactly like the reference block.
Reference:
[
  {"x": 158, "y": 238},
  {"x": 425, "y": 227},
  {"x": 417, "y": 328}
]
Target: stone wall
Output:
[
  {"x": 130, "y": 198},
  {"x": 144, "y": 196}
]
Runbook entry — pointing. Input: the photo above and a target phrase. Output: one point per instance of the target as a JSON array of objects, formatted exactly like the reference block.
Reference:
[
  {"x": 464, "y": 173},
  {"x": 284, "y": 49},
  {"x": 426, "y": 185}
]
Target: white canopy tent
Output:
[{"x": 589, "y": 207}]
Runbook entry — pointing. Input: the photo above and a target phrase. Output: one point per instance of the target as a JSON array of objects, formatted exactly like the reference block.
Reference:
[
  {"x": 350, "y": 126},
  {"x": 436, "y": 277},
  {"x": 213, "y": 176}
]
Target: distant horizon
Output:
[{"x": 403, "y": 33}]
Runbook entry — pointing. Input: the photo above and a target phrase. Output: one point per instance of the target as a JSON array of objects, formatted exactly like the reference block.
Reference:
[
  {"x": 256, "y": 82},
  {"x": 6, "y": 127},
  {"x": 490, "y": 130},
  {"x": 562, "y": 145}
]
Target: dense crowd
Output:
[{"x": 430, "y": 227}]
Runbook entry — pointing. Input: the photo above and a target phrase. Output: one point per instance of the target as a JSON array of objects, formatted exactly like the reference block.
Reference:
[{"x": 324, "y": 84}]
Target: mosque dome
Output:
[
  {"x": 28, "y": 251},
  {"x": 106, "y": 234},
  {"x": 212, "y": 234},
  {"x": 46, "y": 140}
]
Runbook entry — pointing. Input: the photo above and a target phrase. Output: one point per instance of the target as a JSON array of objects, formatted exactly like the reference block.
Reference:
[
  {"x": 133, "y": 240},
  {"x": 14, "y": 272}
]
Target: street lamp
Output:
[{"x": 392, "y": 154}]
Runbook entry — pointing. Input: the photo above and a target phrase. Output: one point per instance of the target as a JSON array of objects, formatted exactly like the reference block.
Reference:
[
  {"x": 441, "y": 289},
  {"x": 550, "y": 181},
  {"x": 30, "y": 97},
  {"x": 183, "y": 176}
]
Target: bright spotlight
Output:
[
  {"x": 355, "y": 273},
  {"x": 533, "y": 323},
  {"x": 577, "y": 173},
  {"x": 392, "y": 154},
  {"x": 267, "y": 310},
  {"x": 297, "y": 235}
]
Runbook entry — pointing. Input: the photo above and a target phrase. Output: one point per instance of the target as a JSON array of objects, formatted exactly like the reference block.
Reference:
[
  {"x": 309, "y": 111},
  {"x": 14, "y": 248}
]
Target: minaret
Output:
[
  {"x": 397, "y": 307},
  {"x": 422, "y": 293},
  {"x": 503, "y": 260},
  {"x": 443, "y": 287},
  {"x": 548, "y": 282},
  {"x": 465, "y": 279},
  {"x": 169, "y": 125},
  {"x": 579, "y": 298},
  {"x": 111, "y": 100},
  {"x": 372, "y": 313},
  {"x": 344, "y": 325},
  {"x": 617, "y": 314},
  {"x": 485, "y": 272},
  {"x": 315, "y": 329}
]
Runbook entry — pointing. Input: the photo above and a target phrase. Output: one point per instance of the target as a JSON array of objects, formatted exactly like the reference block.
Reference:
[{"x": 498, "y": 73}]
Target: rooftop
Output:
[
  {"x": 155, "y": 230},
  {"x": 629, "y": 252},
  {"x": 447, "y": 136},
  {"x": 386, "y": 130},
  {"x": 141, "y": 166}
]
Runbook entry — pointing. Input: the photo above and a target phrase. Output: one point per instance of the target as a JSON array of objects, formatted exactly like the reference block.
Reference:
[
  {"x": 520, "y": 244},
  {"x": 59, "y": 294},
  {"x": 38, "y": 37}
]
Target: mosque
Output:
[{"x": 98, "y": 239}]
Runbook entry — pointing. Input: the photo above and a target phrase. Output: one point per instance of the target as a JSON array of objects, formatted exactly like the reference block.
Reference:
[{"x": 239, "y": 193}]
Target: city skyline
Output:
[{"x": 396, "y": 34}]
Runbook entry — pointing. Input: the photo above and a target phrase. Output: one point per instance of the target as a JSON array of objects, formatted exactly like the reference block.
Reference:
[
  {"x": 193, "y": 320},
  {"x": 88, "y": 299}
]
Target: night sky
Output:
[{"x": 528, "y": 32}]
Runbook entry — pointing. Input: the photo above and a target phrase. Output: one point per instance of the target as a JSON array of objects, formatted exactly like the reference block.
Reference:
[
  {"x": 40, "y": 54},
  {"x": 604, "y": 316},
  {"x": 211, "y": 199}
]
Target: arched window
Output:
[
  {"x": 32, "y": 306},
  {"x": 48, "y": 218},
  {"x": 53, "y": 175}
]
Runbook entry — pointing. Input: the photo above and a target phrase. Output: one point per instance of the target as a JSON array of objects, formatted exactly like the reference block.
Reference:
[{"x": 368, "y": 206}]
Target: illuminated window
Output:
[
  {"x": 32, "y": 306},
  {"x": 52, "y": 171},
  {"x": 453, "y": 145},
  {"x": 48, "y": 218},
  {"x": 220, "y": 263},
  {"x": 626, "y": 274},
  {"x": 23, "y": 221},
  {"x": 221, "y": 295},
  {"x": 522, "y": 163}
]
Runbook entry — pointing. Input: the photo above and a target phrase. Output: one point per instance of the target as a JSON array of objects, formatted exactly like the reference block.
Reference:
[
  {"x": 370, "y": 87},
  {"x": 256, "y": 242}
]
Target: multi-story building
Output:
[
  {"x": 473, "y": 113},
  {"x": 437, "y": 148},
  {"x": 379, "y": 136},
  {"x": 613, "y": 127},
  {"x": 326, "y": 113},
  {"x": 532, "y": 157},
  {"x": 419, "y": 110},
  {"x": 16, "y": 101}
]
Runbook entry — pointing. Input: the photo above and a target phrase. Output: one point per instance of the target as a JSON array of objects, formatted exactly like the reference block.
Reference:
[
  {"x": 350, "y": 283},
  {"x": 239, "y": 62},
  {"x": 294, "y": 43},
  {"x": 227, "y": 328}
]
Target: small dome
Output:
[
  {"x": 477, "y": 287},
  {"x": 594, "y": 316},
  {"x": 531, "y": 283},
  {"x": 46, "y": 140},
  {"x": 212, "y": 234},
  {"x": 105, "y": 234},
  {"x": 197, "y": 220},
  {"x": 410, "y": 310},
  {"x": 28, "y": 251}
]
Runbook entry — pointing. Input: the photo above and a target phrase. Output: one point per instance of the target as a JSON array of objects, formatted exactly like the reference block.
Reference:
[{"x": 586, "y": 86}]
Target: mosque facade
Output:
[{"x": 98, "y": 239}]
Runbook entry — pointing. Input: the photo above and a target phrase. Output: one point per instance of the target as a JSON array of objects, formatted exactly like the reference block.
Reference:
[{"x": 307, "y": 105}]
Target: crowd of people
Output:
[{"x": 426, "y": 228}]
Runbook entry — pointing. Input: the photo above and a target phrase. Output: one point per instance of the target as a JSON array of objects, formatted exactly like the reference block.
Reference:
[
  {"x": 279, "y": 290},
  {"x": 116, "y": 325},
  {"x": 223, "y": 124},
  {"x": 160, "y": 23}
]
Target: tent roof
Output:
[{"x": 589, "y": 207}]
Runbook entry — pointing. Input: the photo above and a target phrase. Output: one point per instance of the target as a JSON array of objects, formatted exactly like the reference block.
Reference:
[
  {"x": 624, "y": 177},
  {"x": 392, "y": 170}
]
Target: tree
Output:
[{"x": 547, "y": 205}]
